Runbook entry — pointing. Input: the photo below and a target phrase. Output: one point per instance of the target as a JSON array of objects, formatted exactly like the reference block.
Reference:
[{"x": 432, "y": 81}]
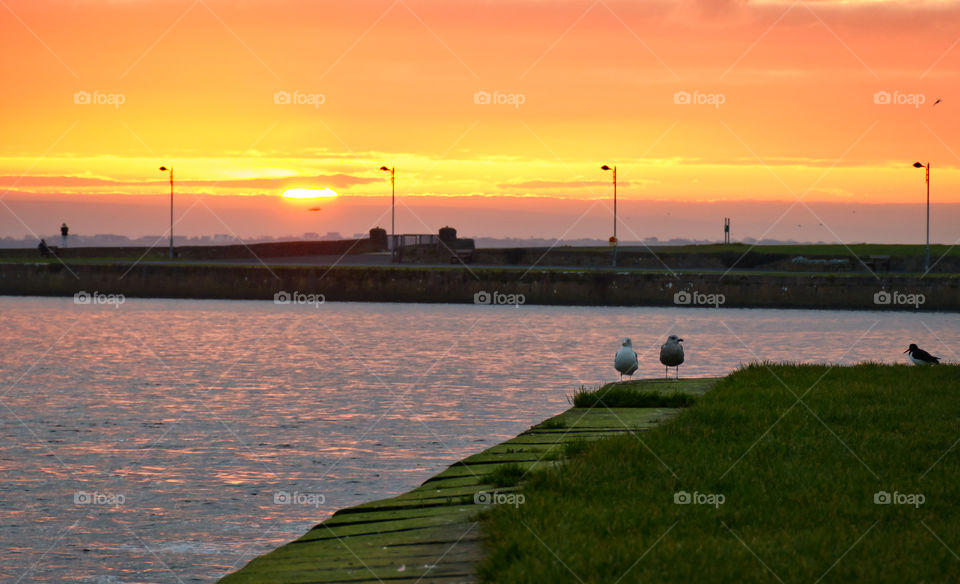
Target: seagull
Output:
[
  {"x": 671, "y": 355},
  {"x": 626, "y": 359},
  {"x": 938, "y": 101},
  {"x": 920, "y": 357}
]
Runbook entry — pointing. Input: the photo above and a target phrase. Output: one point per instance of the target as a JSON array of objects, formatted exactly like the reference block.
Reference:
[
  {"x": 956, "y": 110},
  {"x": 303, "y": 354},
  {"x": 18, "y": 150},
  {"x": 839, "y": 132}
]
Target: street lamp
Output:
[
  {"x": 393, "y": 210},
  {"x": 613, "y": 239},
  {"x": 170, "y": 170},
  {"x": 926, "y": 261}
]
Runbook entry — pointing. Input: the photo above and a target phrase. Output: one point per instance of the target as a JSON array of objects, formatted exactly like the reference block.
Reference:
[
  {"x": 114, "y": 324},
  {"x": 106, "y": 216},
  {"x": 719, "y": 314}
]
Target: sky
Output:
[{"x": 797, "y": 119}]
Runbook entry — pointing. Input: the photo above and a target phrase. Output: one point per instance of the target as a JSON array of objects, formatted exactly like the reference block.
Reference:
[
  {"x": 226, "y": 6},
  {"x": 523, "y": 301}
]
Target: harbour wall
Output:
[{"x": 459, "y": 284}]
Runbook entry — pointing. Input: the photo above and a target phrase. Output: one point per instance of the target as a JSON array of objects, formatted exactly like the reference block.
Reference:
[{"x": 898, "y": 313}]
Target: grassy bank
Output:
[
  {"x": 430, "y": 534},
  {"x": 780, "y": 490}
]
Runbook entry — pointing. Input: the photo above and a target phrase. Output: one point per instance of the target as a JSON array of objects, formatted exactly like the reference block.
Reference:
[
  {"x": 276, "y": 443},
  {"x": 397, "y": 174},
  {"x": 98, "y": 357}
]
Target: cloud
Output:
[
  {"x": 555, "y": 184},
  {"x": 320, "y": 180}
]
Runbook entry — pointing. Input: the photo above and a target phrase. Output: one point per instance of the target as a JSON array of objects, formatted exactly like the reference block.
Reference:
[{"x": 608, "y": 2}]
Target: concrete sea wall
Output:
[{"x": 486, "y": 285}]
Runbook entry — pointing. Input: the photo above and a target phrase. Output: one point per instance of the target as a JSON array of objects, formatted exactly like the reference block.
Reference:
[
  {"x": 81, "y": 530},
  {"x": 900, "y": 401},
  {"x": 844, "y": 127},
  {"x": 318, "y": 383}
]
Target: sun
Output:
[{"x": 324, "y": 193}]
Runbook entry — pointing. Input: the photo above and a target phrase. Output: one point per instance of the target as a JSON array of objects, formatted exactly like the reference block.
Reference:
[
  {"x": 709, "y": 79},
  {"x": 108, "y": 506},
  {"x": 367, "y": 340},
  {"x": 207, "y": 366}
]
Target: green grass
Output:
[
  {"x": 798, "y": 481},
  {"x": 551, "y": 424},
  {"x": 860, "y": 249},
  {"x": 505, "y": 475},
  {"x": 623, "y": 396}
]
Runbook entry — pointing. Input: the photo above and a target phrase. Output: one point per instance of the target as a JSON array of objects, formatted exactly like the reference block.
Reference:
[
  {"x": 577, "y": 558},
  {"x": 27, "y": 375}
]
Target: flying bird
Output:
[
  {"x": 920, "y": 357},
  {"x": 671, "y": 355},
  {"x": 938, "y": 101},
  {"x": 626, "y": 360}
]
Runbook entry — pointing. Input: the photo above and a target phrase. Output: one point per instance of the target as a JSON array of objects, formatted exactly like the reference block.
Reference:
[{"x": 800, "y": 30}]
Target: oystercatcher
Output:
[{"x": 920, "y": 357}]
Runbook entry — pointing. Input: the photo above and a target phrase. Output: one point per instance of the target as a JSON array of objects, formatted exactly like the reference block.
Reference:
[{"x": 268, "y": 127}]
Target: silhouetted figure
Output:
[
  {"x": 44, "y": 250},
  {"x": 64, "y": 231}
]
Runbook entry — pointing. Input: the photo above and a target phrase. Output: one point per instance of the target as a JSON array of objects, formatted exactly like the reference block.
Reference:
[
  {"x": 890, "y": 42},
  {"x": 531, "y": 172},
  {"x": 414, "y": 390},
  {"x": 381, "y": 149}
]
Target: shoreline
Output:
[
  {"x": 432, "y": 534},
  {"x": 563, "y": 286}
]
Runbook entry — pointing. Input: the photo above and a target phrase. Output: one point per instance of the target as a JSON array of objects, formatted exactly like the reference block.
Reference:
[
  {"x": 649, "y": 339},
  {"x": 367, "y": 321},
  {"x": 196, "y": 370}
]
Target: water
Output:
[{"x": 174, "y": 440}]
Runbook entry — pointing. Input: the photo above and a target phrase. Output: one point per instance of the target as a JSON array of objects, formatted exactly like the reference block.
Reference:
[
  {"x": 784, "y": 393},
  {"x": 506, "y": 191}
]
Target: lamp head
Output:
[{"x": 918, "y": 164}]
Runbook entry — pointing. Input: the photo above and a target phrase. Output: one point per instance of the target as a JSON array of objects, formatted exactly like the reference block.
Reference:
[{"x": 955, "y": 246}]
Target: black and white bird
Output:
[
  {"x": 626, "y": 360},
  {"x": 920, "y": 357},
  {"x": 671, "y": 355}
]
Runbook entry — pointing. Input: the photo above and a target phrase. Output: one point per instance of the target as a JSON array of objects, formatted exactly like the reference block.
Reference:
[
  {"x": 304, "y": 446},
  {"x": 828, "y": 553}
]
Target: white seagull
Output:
[
  {"x": 920, "y": 357},
  {"x": 626, "y": 360},
  {"x": 671, "y": 355}
]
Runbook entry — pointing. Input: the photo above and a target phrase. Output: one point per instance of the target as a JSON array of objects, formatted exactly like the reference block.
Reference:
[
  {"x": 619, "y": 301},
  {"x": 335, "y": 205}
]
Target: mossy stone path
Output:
[{"x": 431, "y": 534}]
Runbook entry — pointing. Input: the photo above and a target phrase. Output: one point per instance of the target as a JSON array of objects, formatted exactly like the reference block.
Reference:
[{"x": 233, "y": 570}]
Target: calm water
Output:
[{"x": 154, "y": 442}]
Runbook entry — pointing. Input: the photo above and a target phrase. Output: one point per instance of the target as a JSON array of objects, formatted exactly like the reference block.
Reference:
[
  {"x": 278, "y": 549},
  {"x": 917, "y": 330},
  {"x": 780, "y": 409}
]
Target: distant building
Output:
[{"x": 107, "y": 238}]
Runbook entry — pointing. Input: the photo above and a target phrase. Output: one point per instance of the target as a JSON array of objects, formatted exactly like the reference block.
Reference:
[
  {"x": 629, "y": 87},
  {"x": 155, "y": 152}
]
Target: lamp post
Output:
[
  {"x": 613, "y": 240},
  {"x": 393, "y": 213},
  {"x": 926, "y": 261},
  {"x": 170, "y": 170}
]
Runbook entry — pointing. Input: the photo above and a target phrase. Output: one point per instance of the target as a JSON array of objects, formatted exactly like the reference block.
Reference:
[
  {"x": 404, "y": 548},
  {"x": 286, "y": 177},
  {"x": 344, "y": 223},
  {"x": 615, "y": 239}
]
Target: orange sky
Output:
[{"x": 788, "y": 110}]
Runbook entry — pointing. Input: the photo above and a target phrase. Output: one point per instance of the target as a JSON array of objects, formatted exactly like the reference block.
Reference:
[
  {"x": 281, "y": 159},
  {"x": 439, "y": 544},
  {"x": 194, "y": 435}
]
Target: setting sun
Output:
[{"x": 309, "y": 193}]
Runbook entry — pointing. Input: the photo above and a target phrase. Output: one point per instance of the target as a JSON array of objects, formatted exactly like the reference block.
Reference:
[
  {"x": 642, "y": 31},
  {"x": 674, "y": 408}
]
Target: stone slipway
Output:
[{"x": 432, "y": 534}]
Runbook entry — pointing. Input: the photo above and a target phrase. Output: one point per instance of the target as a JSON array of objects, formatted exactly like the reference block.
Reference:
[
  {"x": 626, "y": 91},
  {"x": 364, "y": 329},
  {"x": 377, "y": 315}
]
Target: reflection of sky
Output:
[{"x": 197, "y": 412}]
